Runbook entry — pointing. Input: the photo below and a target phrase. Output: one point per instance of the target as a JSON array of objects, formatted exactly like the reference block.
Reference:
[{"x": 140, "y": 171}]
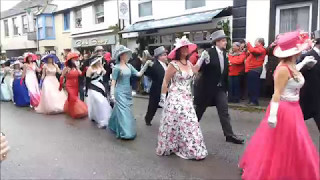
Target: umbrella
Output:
[{"x": 53, "y": 56}]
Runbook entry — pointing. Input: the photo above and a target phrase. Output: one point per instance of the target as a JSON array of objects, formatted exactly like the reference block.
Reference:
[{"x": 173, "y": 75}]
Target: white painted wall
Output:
[
  {"x": 257, "y": 20},
  {"x": 15, "y": 41},
  {"x": 170, "y": 8},
  {"x": 88, "y": 18}
]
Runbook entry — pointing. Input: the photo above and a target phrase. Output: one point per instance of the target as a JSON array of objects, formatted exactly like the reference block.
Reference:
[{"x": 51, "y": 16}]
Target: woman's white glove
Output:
[
  {"x": 308, "y": 60},
  {"x": 272, "y": 120},
  {"x": 162, "y": 100},
  {"x": 148, "y": 63},
  {"x": 112, "y": 98},
  {"x": 203, "y": 58}
]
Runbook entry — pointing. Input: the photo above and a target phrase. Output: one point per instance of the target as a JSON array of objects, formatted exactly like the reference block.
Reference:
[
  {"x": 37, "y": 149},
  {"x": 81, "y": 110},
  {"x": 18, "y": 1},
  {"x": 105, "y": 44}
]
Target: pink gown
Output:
[
  {"x": 287, "y": 151},
  {"x": 32, "y": 85},
  {"x": 52, "y": 100}
]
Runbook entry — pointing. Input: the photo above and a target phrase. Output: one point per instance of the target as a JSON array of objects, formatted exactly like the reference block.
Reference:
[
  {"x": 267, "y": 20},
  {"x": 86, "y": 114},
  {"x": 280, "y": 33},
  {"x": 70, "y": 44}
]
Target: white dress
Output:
[{"x": 99, "y": 108}]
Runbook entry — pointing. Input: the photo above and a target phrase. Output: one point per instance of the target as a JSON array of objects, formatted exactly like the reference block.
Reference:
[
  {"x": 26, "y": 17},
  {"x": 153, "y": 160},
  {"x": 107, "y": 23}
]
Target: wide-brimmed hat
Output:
[
  {"x": 119, "y": 50},
  {"x": 159, "y": 51},
  {"x": 184, "y": 41},
  {"x": 16, "y": 62},
  {"x": 291, "y": 43},
  {"x": 2, "y": 62},
  {"x": 72, "y": 55},
  {"x": 98, "y": 48},
  {"x": 34, "y": 57},
  {"x": 95, "y": 60},
  {"x": 53, "y": 56},
  {"x": 20, "y": 57},
  {"x": 217, "y": 35}
]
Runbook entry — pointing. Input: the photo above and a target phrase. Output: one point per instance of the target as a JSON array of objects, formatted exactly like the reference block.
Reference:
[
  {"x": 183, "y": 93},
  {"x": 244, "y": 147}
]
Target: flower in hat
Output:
[{"x": 184, "y": 41}]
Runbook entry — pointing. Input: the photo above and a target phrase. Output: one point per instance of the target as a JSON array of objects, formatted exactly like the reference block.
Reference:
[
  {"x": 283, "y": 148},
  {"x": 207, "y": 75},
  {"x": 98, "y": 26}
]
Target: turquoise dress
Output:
[{"x": 122, "y": 121}]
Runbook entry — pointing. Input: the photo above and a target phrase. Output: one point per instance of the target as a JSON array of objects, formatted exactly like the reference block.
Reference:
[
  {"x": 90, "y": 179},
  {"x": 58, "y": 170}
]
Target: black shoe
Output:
[
  {"x": 234, "y": 139},
  {"x": 148, "y": 123}
]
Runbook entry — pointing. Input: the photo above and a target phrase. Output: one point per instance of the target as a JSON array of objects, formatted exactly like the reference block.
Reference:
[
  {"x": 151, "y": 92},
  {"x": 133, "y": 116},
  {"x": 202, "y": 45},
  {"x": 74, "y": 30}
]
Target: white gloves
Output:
[
  {"x": 308, "y": 60},
  {"x": 148, "y": 63},
  {"x": 272, "y": 120},
  {"x": 162, "y": 100},
  {"x": 204, "y": 57},
  {"x": 112, "y": 94}
]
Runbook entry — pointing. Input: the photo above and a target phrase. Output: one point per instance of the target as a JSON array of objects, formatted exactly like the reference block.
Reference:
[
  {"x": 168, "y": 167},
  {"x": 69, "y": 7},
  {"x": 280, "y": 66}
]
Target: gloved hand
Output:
[
  {"x": 162, "y": 100},
  {"x": 112, "y": 98},
  {"x": 61, "y": 83},
  {"x": 308, "y": 60},
  {"x": 203, "y": 58},
  {"x": 40, "y": 84},
  {"x": 21, "y": 81},
  {"x": 272, "y": 120},
  {"x": 149, "y": 63}
]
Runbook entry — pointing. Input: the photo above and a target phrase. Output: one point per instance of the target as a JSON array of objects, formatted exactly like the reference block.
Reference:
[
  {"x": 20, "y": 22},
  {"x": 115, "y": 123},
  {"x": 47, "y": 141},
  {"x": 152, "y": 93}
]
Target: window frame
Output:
[
  {"x": 23, "y": 29},
  {"x": 142, "y": 2},
  {"x": 43, "y": 26},
  {"x": 76, "y": 17},
  {"x": 14, "y": 21},
  {"x": 185, "y": 5},
  {"x": 66, "y": 15},
  {"x": 291, "y": 6},
  {"x": 6, "y": 30},
  {"x": 95, "y": 13}
]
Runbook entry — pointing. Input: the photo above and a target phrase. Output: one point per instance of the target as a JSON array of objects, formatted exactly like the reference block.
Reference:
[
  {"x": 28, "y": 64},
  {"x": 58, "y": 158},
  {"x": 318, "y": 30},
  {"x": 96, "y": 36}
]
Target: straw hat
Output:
[
  {"x": 291, "y": 43},
  {"x": 184, "y": 41},
  {"x": 119, "y": 50}
]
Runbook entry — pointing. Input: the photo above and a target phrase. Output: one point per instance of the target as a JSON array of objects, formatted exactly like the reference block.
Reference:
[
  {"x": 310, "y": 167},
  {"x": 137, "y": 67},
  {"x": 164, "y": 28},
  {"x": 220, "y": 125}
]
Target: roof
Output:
[
  {"x": 195, "y": 18},
  {"x": 70, "y": 4},
  {"x": 22, "y": 6}
]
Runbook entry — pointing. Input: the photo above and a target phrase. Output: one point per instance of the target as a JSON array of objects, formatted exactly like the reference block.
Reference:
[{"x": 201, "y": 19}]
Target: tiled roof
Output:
[
  {"x": 22, "y": 6},
  {"x": 70, "y": 4}
]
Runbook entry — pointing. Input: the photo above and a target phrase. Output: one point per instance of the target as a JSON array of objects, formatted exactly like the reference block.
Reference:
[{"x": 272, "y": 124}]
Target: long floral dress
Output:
[{"x": 179, "y": 130}]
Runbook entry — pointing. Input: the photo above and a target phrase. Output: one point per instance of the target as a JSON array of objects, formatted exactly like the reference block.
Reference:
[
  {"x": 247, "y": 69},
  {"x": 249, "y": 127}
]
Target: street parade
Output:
[{"x": 119, "y": 112}]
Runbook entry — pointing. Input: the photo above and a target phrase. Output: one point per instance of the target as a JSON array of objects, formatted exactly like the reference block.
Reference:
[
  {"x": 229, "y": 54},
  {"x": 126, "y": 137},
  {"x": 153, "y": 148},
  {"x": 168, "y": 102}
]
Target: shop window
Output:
[
  {"x": 24, "y": 24},
  {"x": 66, "y": 17},
  {"x": 292, "y": 17},
  {"x": 99, "y": 10},
  {"x": 78, "y": 18},
  {"x": 145, "y": 8},
  {"x": 190, "y": 4},
  {"x": 6, "y": 28},
  {"x": 15, "y": 26}
]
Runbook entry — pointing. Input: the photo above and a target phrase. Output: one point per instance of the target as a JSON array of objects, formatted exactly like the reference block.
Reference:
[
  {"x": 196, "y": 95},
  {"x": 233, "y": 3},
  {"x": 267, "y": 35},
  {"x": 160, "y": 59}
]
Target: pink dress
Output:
[
  {"x": 287, "y": 151},
  {"x": 32, "y": 85},
  {"x": 52, "y": 100}
]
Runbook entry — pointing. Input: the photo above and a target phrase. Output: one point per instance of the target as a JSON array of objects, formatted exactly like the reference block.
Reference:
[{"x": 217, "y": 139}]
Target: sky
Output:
[{"x": 7, "y": 4}]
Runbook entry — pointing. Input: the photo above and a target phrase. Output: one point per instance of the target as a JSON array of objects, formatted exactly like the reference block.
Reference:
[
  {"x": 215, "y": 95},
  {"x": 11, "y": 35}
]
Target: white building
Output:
[
  {"x": 159, "y": 22},
  {"x": 18, "y": 28}
]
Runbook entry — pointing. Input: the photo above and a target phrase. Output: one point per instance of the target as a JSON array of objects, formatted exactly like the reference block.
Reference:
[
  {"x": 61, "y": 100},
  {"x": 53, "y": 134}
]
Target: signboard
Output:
[
  {"x": 94, "y": 41},
  {"x": 123, "y": 10}
]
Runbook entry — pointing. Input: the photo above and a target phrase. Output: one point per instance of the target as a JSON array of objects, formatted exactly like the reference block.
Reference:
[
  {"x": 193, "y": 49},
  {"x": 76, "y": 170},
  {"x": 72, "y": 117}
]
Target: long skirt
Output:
[
  {"x": 20, "y": 93},
  {"x": 284, "y": 152},
  {"x": 33, "y": 88},
  {"x": 73, "y": 106}
]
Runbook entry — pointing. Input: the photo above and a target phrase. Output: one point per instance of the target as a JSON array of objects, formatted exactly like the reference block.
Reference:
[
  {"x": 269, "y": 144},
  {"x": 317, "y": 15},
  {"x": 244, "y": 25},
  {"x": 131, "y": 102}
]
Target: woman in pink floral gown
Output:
[{"x": 179, "y": 130}]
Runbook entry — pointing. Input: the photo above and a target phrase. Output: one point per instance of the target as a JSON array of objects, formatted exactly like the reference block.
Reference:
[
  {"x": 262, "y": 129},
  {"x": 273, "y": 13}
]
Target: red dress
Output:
[{"x": 74, "y": 106}]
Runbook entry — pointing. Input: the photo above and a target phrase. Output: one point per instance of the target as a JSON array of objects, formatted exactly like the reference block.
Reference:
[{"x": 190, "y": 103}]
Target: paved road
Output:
[{"x": 57, "y": 147}]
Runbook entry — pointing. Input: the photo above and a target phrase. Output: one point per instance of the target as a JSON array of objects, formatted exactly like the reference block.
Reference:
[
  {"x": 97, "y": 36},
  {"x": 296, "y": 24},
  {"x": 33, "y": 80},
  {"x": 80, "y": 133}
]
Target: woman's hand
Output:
[{"x": 4, "y": 147}]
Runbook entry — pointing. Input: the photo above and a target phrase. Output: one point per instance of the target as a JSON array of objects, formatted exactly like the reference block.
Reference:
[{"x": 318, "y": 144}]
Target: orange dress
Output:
[{"x": 73, "y": 105}]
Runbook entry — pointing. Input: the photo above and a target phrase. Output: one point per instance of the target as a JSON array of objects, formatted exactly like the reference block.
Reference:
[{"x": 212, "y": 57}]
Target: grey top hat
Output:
[
  {"x": 120, "y": 49},
  {"x": 217, "y": 35},
  {"x": 98, "y": 48},
  {"x": 158, "y": 51}
]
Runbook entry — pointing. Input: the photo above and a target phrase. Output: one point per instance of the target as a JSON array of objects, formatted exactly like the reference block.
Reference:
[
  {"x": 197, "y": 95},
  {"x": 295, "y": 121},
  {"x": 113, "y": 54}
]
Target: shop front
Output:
[{"x": 86, "y": 44}]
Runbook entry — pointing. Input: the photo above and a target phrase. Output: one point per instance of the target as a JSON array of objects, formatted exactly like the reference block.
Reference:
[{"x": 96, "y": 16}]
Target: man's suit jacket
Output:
[
  {"x": 210, "y": 76},
  {"x": 310, "y": 92},
  {"x": 156, "y": 73}
]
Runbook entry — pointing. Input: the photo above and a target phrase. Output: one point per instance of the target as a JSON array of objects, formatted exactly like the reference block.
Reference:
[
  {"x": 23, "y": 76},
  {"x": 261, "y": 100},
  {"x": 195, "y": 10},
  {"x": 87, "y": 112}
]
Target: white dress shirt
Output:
[
  {"x": 163, "y": 65},
  {"x": 221, "y": 58}
]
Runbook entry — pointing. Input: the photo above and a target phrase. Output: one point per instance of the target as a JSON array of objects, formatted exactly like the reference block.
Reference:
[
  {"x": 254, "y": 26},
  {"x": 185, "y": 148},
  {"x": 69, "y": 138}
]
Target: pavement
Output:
[{"x": 58, "y": 147}]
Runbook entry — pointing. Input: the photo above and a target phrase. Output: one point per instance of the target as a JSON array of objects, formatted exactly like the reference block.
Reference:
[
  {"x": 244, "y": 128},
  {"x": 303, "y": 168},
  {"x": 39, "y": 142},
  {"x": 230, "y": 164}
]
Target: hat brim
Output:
[
  {"x": 94, "y": 61},
  {"x": 191, "y": 48},
  {"x": 290, "y": 52},
  {"x": 128, "y": 51}
]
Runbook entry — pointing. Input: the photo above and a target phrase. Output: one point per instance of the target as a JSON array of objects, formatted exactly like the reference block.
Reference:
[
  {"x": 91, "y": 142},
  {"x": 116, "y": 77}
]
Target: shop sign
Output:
[{"x": 95, "y": 41}]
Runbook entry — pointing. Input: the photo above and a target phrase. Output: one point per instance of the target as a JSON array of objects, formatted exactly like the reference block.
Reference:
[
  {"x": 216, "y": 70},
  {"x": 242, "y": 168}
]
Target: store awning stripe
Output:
[{"x": 197, "y": 18}]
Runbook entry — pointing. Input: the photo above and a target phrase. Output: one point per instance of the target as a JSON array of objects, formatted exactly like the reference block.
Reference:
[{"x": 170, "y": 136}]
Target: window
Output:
[
  {"x": 15, "y": 26},
  {"x": 99, "y": 10},
  {"x": 24, "y": 24},
  {"x": 292, "y": 17},
  {"x": 145, "y": 9},
  {"x": 49, "y": 26},
  {"x": 66, "y": 17},
  {"x": 6, "y": 28},
  {"x": 78, "y": 18},
  {"x": 195, "y": 3}
]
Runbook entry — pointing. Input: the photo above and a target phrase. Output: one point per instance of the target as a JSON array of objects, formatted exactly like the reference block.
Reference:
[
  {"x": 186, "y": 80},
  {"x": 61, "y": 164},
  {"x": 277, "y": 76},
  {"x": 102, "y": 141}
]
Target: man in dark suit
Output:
[
  {"x": 156, "y": 73},
  {"x": 310, "y": 92},
  {"x": 212, "y": 85}
]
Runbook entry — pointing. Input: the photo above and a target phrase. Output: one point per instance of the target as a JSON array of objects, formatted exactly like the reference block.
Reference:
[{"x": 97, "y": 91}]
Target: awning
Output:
[{"x": 196, "y": 18}]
